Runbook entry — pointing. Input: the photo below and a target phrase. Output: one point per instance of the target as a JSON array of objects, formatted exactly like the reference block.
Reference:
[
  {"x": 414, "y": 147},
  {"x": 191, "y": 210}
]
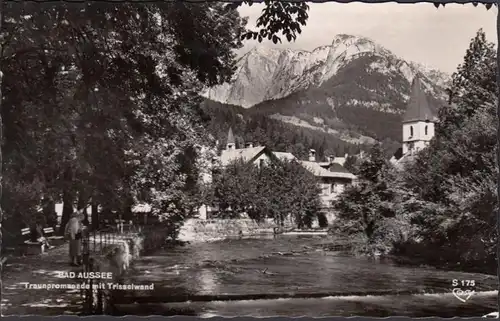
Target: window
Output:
[
  {"x": 337, "y": 188},
  {"x": 261, "y": 162},
  {"x": 426, "y": 127},
  {"x": 411, "y": 131}
]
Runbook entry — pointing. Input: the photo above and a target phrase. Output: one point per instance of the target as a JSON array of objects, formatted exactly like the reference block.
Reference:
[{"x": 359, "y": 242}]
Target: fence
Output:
[{"x": 94, "y": 244}]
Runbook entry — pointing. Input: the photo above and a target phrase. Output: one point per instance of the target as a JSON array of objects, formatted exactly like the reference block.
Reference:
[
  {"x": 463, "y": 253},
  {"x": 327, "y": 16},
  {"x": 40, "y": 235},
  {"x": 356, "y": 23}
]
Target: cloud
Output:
[{"x": 416, "y": 32}]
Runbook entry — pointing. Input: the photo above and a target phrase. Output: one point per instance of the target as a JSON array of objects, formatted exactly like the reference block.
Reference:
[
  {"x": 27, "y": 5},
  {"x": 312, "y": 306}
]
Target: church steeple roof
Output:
[
  {"x": 418, "y": 107},
  {"x": 230, "y": 137}
]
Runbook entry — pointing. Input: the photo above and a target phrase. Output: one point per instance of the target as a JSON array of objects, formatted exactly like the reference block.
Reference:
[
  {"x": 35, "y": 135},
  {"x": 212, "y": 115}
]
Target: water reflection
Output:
[{"x": 207, "y": 281}]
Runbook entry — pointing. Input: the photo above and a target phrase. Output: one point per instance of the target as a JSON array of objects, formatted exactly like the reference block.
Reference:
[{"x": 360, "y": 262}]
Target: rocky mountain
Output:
[
  {"x": 353, "y": 88},
  {"x": 267, "y": 73}
]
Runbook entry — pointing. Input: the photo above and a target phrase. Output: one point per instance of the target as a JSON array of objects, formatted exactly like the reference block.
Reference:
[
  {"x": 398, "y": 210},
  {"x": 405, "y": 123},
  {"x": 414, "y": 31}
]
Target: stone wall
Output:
[
  {"x": 197, "y": 230},
  {"x": 116, "y": 258}
]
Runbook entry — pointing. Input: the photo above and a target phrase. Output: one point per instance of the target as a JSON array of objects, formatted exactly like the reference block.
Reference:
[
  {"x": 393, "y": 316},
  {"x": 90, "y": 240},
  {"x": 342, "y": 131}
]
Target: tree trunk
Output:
[
  {"x": 49, "y": 211},
  {"x": 1, "y": 141},
  {"x": 82, "y": 201},
  {"x": 127, "y": 210},
  {"x": 498, "y": 146},
  {"x": 67, "y": 209},
  {"x": 95, "y": 215},
  {"x": 107, "y": 215},
  {"x": 82, "y": 205}
]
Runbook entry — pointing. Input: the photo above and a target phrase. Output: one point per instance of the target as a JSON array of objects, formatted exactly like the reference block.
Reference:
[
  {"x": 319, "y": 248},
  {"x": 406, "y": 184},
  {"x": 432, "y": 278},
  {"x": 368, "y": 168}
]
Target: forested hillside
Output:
[{"x": 279, "y": 136}]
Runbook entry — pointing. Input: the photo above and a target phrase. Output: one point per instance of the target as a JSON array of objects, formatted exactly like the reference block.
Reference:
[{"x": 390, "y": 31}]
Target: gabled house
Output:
[
  {"x": 331, "y": 175},
  {"x": 257, "y": 155}
]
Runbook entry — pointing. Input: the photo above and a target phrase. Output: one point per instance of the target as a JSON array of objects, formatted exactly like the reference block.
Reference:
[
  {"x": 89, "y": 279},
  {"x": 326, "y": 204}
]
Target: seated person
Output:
[{"x": 37, "y": 236}]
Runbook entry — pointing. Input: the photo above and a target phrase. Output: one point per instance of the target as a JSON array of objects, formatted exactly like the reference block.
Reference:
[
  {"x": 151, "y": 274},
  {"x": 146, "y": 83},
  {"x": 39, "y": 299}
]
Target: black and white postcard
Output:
[{"x": 226, "y": 159}]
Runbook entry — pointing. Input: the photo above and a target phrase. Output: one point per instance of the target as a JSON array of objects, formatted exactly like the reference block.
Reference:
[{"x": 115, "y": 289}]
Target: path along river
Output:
[{"x": 293, "y": 276}]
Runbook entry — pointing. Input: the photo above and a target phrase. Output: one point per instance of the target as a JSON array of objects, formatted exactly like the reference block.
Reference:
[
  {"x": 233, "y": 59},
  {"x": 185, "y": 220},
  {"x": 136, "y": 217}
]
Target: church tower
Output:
[
  {"x": 231, "y": 142},
  {"x": 418, "y": 121}
]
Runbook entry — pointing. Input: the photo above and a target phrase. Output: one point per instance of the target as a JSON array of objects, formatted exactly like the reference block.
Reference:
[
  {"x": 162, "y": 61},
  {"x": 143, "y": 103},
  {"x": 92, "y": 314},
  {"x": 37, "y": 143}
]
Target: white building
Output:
[
  {"x": 332, "y": 176},
  {"x": 418, "y": 124}
]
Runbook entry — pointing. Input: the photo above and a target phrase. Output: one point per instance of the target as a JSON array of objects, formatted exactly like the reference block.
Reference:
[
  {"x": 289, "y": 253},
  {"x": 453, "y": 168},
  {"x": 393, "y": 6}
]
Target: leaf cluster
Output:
[
  {"x": 279, "y": 190},
  {"x": 101, "y": 102}
]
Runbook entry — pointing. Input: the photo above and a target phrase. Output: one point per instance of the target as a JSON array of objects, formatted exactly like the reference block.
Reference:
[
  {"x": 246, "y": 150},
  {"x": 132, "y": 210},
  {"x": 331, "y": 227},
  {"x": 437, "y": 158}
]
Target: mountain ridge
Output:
[{"x": 270, "y": 73}]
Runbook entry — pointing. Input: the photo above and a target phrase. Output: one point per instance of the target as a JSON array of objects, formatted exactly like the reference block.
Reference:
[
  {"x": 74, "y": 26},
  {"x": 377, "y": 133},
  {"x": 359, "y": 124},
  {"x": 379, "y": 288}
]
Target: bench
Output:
[
  {"x": 49, "y": 233},
  {"x": 30, "y": 247}
]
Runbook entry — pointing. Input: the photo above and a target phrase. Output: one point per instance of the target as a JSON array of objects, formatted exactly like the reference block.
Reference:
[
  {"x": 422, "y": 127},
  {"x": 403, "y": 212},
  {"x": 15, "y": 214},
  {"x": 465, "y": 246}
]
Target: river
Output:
[{"x": 293, "y": 276}]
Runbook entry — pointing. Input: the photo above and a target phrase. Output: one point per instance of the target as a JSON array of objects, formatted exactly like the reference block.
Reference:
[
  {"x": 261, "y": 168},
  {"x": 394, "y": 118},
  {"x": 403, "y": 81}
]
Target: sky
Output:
[{"x": 437, "y": 38}]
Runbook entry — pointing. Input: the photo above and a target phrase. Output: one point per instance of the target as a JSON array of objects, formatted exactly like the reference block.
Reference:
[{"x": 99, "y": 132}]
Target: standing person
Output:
[{"x": 73, "y": 232}]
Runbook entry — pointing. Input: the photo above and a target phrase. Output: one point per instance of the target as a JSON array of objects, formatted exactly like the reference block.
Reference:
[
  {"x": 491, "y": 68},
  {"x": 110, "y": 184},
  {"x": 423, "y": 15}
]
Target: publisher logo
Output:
[{"x": 463, "y": 295}]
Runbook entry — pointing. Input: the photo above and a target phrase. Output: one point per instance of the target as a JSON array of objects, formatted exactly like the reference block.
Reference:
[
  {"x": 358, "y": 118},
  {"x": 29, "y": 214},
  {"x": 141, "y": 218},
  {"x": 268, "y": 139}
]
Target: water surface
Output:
[{"x": 293, "y": 276}]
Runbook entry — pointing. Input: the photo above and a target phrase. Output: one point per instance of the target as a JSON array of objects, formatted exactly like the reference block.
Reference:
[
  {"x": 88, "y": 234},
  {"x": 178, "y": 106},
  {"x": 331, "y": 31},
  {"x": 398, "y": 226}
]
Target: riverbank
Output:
[
  {"x": 358, "y": 249},
  {"x": 200, "y": 231},
  {"x": 471, "y": 267}
]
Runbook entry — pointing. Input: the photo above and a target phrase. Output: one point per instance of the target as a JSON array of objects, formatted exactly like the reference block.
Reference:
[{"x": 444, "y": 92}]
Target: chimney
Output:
[
  {"x": 331, "y": 158},
  {"x": 249, "y": 145},
  {"x": 312, "y": 155}
]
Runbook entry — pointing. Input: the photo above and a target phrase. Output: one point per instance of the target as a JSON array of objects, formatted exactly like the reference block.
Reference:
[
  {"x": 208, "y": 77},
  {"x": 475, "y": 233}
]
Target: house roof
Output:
[
  {"x": 245, "y": 154},
  {"x": 141, "y": 208},
  {"x": 338, "y": 168},
  {"x": 340, "y": 160},
  {"x": 398, "y": 154},
  {"x": 336, "y": 160},
  {"x": 403, "y": 161},
  {"x": 319, "y": 171},
  {"x": 284, "y": 155},
  {"x": 418, "y": 107}
]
